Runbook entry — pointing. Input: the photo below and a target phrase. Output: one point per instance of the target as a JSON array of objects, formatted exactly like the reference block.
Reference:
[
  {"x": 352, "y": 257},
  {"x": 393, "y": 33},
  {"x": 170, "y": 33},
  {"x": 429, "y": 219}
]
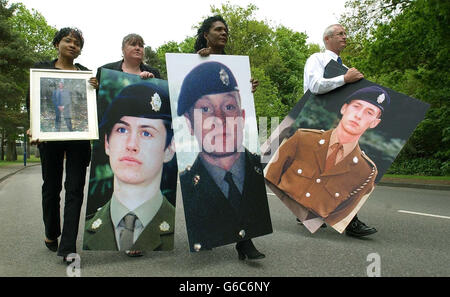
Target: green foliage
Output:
[
  {"x": 186, "y": 46},
  {"x": 151, "y": 58},
  {"x": 267, "y": 100},
  {"x": 25, "y": 38},
  {"x": 33, "y": 28},
  {"x": 15, "y": 59},
  {"x": 421, "y": 166}
]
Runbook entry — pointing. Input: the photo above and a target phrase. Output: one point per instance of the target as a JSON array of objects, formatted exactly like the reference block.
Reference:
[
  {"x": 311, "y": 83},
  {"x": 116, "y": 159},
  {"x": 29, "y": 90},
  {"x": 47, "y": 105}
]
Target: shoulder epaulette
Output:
[
  {"x": 312, "y": 130},
  {"x": 368, "y": 159}
]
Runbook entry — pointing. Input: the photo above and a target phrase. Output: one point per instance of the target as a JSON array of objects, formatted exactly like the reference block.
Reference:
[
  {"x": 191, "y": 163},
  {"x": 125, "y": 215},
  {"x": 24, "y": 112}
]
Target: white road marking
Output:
[{"x": 424, "y": 214}]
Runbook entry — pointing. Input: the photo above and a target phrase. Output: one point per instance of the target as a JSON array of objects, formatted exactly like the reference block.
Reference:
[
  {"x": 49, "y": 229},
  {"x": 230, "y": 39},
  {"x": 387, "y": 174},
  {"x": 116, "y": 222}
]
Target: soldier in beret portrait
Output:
[
  {"x": 224, "y": 194},
  {"x": 137, "y": 134},
  {"x": 326, "y": 171}
]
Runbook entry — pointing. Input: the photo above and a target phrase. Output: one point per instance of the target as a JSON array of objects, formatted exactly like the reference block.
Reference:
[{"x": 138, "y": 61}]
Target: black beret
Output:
[
  {"x": 205, "y": 79},
  {"x": 144, "y": 99},
  {"x": 374, "y": 95}
]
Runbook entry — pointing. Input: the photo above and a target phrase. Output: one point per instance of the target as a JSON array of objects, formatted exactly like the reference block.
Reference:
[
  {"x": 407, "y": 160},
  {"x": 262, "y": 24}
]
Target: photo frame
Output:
[
  {"x": 126, "y": 105},
  {"x": 217, "y": 89},
  {"x": 62, "y": 105}
]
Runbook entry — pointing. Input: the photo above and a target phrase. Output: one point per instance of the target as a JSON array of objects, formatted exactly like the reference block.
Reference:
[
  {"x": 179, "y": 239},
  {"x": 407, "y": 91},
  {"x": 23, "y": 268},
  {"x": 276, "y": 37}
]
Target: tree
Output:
[
  {"x": 24, "y": 38},
  {"x": 186, "y": 46},
  {"x": 15, "y": 59},
  {"x": 33, "y": 28}
]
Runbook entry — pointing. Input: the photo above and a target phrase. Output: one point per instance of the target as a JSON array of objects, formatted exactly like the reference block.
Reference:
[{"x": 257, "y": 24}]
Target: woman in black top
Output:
[
  {"x": 68, "y": 42},
  {"x": 132, "y": 62},
  {"x": 133, "y": 59},
  {"x": 212, "y": 38}
]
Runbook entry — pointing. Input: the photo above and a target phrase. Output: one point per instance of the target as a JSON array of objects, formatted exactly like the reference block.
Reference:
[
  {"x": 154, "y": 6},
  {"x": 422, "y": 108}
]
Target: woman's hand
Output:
[
  {"x": 146, "y": 75},
  {"x": 255, "y": 84},
  {"x": 93, "y": 82},
  {"x": 204, "y": 52},
  {"x": 36, "y": 142}
]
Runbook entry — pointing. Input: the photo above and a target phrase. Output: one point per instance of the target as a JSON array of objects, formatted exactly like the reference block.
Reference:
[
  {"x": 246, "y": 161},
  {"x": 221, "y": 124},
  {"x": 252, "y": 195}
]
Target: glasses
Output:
[{"x": 342, "y": 34}]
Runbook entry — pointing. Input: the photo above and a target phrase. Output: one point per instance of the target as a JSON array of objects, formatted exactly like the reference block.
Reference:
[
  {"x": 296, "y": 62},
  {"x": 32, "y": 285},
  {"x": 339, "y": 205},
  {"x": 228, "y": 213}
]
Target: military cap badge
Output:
[
  {"x": 156, "y": 102},
  {"x": 380, "y": 99},
  {"x": 97, "y": 223},
  {"x": 196, "y": 179},
  {"x": 164, "y": 227},
  {"x": 258, "y": 170},
  {"x": 224, "y": 77}
]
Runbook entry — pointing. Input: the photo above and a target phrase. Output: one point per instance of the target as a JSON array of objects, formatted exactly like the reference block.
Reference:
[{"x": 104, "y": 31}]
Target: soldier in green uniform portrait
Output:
[
  {"x": 326, "y": 171},
  {"x": 137, "y": 134}
]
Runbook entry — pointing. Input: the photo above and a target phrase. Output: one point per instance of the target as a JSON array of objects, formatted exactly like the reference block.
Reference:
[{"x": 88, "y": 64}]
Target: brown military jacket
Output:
[{"x": 299, "y": 172}]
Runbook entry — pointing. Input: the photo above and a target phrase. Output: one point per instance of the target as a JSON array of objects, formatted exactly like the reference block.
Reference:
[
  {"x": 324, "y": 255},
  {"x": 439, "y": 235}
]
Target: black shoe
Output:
[
  {"x": 68, "y": 262},
  {"x": 300, "y": 223},
  {"x": 356, "y": 228},
  {"x": 134, "y": 253},
  {"x": 53, "y": 245},
  {"x": 246, "y": 249}
]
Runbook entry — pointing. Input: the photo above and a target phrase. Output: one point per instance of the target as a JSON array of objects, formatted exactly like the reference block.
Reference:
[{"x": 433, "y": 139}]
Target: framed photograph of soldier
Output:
[
  {"x": 214, "y": 120},
  {"x": 62, "y": 105},
  {"x": 132, "y": 185},
  {"x": 337, "y": 146}
]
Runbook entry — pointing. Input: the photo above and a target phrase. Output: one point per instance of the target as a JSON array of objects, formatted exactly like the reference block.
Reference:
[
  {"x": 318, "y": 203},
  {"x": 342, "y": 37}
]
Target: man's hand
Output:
[
  {"x": 61, "y": 108},
  {"x": 352, "y": 75},
  {"x": 146, "y": 75},
  {"x": 204, "y": 52},
  {"x": 93, "y": 82},
  {"x": 255, "y": 84}
]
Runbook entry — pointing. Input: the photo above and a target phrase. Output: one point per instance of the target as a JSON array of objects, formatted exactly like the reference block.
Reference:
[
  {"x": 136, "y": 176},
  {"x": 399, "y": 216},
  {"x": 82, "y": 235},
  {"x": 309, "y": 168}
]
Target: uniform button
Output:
[
  {"x": 299, "y": 171},
  {"x": 242, "y": 233},
  {"x": 322, "y": 141},
  {"x": 308, "y": 195},
  {"x": 196, "y": 179},
  {"x": 318, "y": 180},
  {"x": 336, "y": 195},
  {"x": 197, "y": 247},
  {"x": 355, "y": 160}
]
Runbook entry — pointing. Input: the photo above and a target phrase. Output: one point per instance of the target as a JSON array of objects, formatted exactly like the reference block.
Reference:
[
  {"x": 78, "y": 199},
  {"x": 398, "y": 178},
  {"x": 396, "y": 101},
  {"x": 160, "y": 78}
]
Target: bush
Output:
[{"x": 420, "y": 166}]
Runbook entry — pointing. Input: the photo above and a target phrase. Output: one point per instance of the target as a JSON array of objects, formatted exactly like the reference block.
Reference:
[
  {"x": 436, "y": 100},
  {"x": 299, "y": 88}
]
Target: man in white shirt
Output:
[{"x": 335, "y": 40}]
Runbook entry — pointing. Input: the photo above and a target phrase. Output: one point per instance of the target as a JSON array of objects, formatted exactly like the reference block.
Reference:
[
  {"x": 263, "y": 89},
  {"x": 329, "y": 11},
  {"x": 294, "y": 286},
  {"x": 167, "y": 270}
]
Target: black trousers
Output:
[{"x": 78, "y": 154}]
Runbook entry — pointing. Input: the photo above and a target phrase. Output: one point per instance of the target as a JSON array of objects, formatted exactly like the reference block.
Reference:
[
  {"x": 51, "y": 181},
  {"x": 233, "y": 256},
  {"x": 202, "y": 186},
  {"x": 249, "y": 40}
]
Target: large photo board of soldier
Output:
[
  {"x": 63, "y": 105},
  {"x": 334, "y": 148},
  {"x": 132, "y": 185},
  {"x": 214, "y": 120}
]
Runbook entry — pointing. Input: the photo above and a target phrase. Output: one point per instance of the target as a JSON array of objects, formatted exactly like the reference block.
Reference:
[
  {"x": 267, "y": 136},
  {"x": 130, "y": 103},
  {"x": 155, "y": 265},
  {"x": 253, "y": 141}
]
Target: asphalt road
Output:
[{"x": 408, "y": 244}]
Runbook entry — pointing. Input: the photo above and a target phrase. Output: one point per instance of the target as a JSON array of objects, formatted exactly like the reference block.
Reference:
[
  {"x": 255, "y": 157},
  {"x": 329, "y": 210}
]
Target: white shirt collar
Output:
[{"x": 333, "y": 55}]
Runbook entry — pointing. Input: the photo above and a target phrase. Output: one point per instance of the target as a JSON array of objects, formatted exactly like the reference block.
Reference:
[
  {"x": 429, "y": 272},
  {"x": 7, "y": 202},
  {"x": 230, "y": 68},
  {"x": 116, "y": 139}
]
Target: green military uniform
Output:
[
  {"x": 157, "y": 235},
  {"x": 333, "y": 194}
]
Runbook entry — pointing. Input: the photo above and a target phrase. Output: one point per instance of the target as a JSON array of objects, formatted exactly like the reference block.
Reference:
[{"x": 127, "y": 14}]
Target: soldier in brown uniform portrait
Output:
[{"x": 326, "y": 171}]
